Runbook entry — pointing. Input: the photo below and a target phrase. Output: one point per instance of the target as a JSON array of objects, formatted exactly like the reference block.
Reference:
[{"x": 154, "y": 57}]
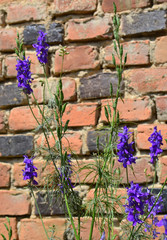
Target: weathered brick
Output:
[
  {"x": 137, "y": 53},
  {"x": 15, "y": 145},
  {"x": 2, "y": 18},
  {"x": 69, "y": 89},
  {"x": 107, "y": 5},
  {"x": 137, "y": 175},
  {"x": 143, "y": 133},
  {"x": 33, "y": 229},
  {"x": 89, "y": 28},
  {"x": 21, "y": 118},
  {"x": 4, "y": 175},
  {"x": 71, "y": 141},
  {"x": 10, "y": 66},
  {"x": 131, "y": 110},
  {"x": 14, "y": 203},
  {"x": 36, "y": 67},
  {"x": 1, "y": 71},
  {"x": 74, "y": 6},
  {"x": 161, "y": 107},
  {"x": 10, "y": 95},
  {"x": 13, "y": 224},
  {"x": 35, "y": 10},
  {"x": 160, "y": 55},
  {"x": 81, "y": 114},
  {"x": 54, "y": 33},
  {"x": 73, "y": 61},
  {"x": 7, "y": 39},
  {"x": 48, "y": 207},
  {"x": 132, "y": 24},
  {"x": 146, "y": 80},
  {"x": 2, "y": 123},
  {"x": 98, "y": 85},
  {"x": 163, "y": 169},
  {"x": 42, "y": 172}
]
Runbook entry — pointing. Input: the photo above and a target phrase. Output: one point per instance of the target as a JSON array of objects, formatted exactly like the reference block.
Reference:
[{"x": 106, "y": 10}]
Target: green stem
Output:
[
  {"x": 71, "y": 218},
  {"x": 127, "y": 178},
  {"x": 39, "y": 212}
]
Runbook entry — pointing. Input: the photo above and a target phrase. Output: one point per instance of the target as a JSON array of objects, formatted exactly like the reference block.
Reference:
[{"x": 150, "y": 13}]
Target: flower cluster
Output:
[
  {"x": 125, "y": 148},
  {"x": 65, "y": 174},
  {"x": 103, "y": 236},
  {"x": 42, "y": 48},
  {"x": 30, "y": 170},
  {"x": 24, "y": 75},
  {"x": 140, "y": 203},
  {"x": 156, "y": 140},
  {"x": 163, "y": 222}
]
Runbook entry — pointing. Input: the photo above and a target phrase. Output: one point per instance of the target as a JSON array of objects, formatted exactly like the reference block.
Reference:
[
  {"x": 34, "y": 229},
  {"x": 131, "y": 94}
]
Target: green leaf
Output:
[
  {"x": 121, "y": 50},
  {"x": 66, "y": 125},
  {"x": 109, "y": 109},
  {"x": 57, "y": 100},
  {"x": 115, "y": 8},
  {"x": 118, "y": 121},
  {"x": 4, "y": 238},
  {"x": 111, "y": 89},
  {"x": 61, "y": 96},
  {"x": 56, "y": 116},
  {"x": 113, "y": 60},
  {"x": 106, "y": 113},
  {"x": 10, "y": 233},
  {"x": 115, "y": 46},
  {"x": 125, "y": 58},
  {"x": 64, "y": 107},
  {"x": 6, "y": 227}
]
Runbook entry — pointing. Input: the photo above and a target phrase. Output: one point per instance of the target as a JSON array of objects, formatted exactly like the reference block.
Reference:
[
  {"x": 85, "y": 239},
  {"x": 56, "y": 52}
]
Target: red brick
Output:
[
  {"x": 36, "y": 67},
  {"x": 2, "y": 124},
  {"x": 13, "y": 224},
  {"x": 120, "y": 194},
  {"x": 130, "y": 110},
  {"x": 10, "y": 66},
  {"x": 81, "y": 114},
  {"x": 137, "y": 175},
  {"x": 42, "y": 173},
  {"x": 32, "y": 229},
  {"x": 144, "y": 131},
  {"x": 69, "y": 89},
  {"x": 74, "y": 6},
  {"x": 89, "y": 28},
  {"x": 21, "y": 118},
  {"x": 4, "y": 175},
  {"x": 163, "y": 169},
  {"x": 160, "y": 55},
  {"x": 14, "y": 203},
  {"x": 73, "y": 61},
  {"x": 146, "y": 80},
  {"x": 107, "y": 5},
  {"x": 161, "y": 107},
  {"x": 72, "y": 141},
  {"x": 137, "y": 53},
  {"x": 34, "y": 10},
  {"x": 8, "y": 39}
]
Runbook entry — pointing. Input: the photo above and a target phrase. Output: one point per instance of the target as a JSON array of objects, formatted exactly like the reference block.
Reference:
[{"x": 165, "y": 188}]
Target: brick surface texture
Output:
[{"x": 85, "y": 28}]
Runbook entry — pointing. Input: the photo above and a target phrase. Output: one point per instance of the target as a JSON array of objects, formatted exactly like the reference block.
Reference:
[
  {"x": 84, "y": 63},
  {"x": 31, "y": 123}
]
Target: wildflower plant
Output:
[{"x": 141, "y": 206}]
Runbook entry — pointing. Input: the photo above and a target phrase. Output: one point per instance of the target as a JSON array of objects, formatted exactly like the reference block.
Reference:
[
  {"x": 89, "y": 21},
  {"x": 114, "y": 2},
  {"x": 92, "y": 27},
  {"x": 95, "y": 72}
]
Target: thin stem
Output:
[
  {"x": 39, "y": 212},
  {"x": 71, "y": 218},
  {"x": 127, "y": 178}
]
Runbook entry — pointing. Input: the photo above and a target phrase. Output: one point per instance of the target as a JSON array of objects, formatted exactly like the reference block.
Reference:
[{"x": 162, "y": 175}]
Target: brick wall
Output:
[{"x": 85, "y": 27}]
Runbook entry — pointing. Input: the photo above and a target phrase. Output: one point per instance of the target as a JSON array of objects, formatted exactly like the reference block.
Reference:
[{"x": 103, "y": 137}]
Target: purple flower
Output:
[
  {"x": 103, "y": 236},
  {"x": 42, "y": 48},
  {"x": 30, "y": 170},
  {"x": 125, "y": 148},
  {"x": 140, "y": 203},
  {"x": 65, "y": 174},
  {"x": 156, "y": 140},
  {"x": 24, "y": 75},
  {"x": 163, "y": 222}
]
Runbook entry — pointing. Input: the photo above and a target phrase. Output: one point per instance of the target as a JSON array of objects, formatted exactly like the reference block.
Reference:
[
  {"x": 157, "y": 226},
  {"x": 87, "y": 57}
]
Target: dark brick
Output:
[
  {"x": 145, "y": 22},
  {"x": 92, "y": 140},
  {"x": 30, "y": 33},
  {"x": 11, "y": 95},
  {"x": 54, "y": 33},
  {"x": 98, "y": 85},
  {"x": 17, "y": 145}
]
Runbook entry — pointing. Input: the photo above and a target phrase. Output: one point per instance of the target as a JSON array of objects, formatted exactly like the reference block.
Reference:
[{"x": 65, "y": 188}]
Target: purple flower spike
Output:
[
  {"x": 30, "y": 170},
  {"x": 156, "y": 140},
  {"x": 24, "y": 75},
  {"x": 163, "y": 222},
  {"x": 125, "y": 148},
  {"x": 42, "y": 48},
  {"x": 103, "y": 236}
]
